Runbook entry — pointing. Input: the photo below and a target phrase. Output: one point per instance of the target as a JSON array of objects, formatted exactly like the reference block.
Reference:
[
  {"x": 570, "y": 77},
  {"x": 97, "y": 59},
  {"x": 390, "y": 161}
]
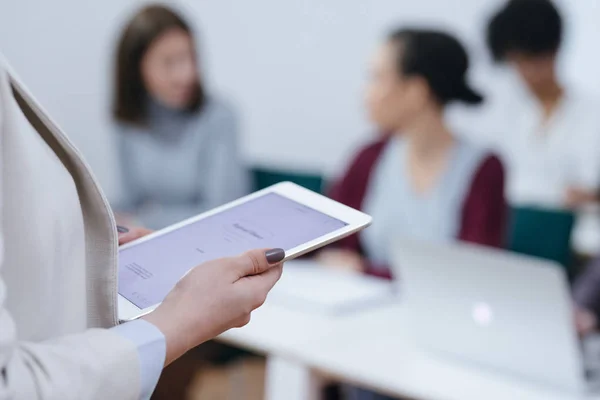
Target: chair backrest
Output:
[
  {"x": 542, "y": 233},
  {"x": 264, "y": 177}
]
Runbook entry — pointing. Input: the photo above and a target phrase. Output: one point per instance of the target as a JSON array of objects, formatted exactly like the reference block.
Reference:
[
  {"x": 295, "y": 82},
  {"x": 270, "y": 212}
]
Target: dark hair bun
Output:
[
  {"x": 440, "y": 59},
  {"x": 469, "y": 95}
]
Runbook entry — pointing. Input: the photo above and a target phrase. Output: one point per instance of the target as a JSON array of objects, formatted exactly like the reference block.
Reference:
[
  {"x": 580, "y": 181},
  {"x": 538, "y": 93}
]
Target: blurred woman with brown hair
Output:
[{"x": 178, "y": 145}]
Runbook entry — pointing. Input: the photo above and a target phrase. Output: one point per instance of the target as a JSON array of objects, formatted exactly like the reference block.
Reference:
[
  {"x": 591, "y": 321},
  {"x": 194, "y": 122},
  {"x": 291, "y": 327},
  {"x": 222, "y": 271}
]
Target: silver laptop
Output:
[{"x": 495, "y": 309}]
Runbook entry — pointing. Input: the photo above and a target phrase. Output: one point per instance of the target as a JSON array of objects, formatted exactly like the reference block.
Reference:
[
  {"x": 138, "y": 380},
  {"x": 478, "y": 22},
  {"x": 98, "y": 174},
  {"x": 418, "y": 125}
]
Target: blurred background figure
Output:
[
  {"x": 177, "y": 144},
  {"x": 553, "y": 153},
  {"x": 420, "y": 181}
]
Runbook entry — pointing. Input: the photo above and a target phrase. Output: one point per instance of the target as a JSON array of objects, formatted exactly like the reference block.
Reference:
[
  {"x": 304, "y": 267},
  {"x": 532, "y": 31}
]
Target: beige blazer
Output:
[{"x": 58, "y": 274}]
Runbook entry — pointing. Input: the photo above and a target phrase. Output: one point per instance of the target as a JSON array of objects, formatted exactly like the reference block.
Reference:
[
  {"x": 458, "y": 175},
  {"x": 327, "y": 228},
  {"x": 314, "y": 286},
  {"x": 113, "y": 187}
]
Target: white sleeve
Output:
[
  {"x": 588, "y": 155},
  {"x": 92, "y": 365},
  {"x": 152, "y": 349}
]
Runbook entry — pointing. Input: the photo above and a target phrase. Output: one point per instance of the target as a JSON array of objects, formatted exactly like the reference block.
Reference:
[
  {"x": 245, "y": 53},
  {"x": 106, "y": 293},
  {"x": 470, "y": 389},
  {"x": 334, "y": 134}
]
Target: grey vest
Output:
[{"x": 397, "y": 210}]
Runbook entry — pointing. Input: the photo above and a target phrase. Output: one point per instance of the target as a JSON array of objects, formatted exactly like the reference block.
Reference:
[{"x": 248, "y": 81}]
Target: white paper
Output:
[{"x": 308, "y": 286}]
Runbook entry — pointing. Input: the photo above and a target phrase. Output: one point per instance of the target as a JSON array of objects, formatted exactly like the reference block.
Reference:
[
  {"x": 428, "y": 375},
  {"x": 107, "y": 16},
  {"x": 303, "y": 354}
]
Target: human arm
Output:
[
  {"x": 86, "y": 364},
  {"x": 341, "y": 259},
  {"x": 351, "y": 189},
  {"x": 229, "y": 290},
  {"x": 484, "y": 210},
  {"x": 577, "y": 197},
  {"x": 95, "y": 363},
  {"x": 89, "y": 365},
  {"x": 99, "y": 364}
]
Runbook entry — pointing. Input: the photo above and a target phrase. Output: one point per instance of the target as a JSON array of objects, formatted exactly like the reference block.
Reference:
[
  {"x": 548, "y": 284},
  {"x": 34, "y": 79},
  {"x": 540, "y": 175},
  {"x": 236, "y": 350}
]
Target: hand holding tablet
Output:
[
  {"x": 283, "y": 216},
  {"x": 216, "y": 296},
  {"x": 189, "y": 279}
]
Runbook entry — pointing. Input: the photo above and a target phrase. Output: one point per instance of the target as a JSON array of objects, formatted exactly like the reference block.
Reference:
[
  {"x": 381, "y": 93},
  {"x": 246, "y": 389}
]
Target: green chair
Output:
[
  {"x": 264, "y": 177},
  {"x": 542, "y": 233}
]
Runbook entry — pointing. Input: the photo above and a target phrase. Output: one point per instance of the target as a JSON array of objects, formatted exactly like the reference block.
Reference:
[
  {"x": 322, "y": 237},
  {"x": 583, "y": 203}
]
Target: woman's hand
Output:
[
  {"x": 341, "y": 259},
  {"x": 127, "y": 235},
  {"x": 214, "y": 297}
]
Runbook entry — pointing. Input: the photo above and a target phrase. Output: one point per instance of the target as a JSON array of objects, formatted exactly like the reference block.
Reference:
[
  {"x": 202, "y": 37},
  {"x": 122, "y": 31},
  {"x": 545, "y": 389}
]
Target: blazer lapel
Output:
[{"x": 101, "y": 236}]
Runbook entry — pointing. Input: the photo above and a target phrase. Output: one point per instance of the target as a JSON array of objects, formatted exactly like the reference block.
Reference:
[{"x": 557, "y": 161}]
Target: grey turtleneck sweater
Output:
[{"x": 180, "y": 164}]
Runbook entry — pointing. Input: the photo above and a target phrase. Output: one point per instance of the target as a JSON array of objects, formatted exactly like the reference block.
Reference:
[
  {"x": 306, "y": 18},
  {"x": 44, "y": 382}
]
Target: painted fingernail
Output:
[
  {"x": 122, "y": 229},
  {"x": 275, "y": 255}
]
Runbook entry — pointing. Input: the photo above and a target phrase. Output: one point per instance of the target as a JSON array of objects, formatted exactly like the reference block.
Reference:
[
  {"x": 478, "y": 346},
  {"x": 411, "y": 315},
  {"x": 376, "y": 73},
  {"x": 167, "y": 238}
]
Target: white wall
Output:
[{"x": 294, "y": 68}]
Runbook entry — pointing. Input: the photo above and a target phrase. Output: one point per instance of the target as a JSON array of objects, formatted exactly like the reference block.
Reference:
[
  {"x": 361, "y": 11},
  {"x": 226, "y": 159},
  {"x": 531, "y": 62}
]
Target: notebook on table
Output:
[{"x": 310, "y": 287}]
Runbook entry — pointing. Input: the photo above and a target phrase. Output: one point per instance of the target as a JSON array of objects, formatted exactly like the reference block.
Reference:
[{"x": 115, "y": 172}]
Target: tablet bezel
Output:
[{"x": 356, "y": 221}]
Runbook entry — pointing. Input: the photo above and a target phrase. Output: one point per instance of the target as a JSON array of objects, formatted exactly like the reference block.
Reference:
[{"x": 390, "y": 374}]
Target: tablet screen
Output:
[{"x": 149, "y": 270}]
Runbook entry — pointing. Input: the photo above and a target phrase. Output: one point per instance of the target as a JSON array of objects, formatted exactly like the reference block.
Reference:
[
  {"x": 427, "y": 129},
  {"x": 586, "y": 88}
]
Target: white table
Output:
[{"x": 370, "y": 349}]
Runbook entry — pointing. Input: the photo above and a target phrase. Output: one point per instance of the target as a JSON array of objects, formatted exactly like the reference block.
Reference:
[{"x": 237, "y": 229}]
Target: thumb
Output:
[{"x": 256, "y": 262}]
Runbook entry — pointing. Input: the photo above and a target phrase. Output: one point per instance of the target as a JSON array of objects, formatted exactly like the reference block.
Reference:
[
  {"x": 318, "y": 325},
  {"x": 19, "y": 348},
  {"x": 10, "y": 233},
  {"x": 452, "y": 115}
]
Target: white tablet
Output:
[{"x": 283, "y": 216}]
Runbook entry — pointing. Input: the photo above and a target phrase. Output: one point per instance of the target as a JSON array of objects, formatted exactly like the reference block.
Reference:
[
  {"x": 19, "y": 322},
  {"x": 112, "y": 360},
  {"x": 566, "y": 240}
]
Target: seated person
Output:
[
  {"x": 419, "y": 181},
  {"x": 553, "y": 153},
  {"x": 178, "y": 145}
]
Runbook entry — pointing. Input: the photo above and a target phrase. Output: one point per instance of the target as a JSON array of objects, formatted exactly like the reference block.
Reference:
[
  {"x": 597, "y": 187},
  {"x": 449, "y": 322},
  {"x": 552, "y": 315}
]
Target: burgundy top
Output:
[{"x": 484, "y": 209}]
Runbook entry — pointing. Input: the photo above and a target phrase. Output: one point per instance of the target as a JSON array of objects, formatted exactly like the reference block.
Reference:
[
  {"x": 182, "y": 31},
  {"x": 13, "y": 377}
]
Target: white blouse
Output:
[{"x": 544, "y": 159}]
